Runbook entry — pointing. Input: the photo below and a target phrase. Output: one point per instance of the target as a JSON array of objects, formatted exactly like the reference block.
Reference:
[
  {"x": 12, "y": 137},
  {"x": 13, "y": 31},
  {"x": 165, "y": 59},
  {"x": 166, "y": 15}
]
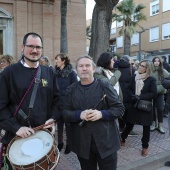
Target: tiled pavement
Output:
[{"x": 130, "y": 154}]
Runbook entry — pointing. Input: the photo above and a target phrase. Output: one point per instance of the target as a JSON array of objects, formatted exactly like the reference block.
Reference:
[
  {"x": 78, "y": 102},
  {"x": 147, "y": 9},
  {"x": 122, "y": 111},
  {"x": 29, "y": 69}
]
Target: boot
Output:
[
  {"x": 160, "y": 128},
  {"x": 153, "y": 126},
  {"x": 67, "y": 150},
  {"x": 144, "y": 152},
  {"x": 60, "y": 146}
]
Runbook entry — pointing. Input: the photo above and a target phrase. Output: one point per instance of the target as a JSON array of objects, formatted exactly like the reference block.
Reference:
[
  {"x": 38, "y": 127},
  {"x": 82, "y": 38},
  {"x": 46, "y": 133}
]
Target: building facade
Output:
[
  {"x": 18, "y": 17},
  {"x": 154, "y": 40}
]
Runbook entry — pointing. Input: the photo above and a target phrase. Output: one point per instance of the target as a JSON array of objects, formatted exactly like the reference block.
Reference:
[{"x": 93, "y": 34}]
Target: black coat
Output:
[
  {"x": 166, "y": 85},
  {"x": 104, "y": 131},
  {"x": 14, "y": 81},
  {"x": 149, "y": 91},
  {"x": 166, "y": 66},
  {"x": 126, "y": 75},
  {"x": 65, "y": 78}
]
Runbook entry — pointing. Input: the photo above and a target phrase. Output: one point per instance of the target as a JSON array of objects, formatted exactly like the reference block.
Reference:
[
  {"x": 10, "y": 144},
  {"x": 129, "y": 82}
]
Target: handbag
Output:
[{"x": 144, "y": 105}]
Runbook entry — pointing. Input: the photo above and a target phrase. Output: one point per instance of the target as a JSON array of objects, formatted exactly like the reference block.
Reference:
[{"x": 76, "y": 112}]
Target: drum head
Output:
[{"x": 32, "y": 149}]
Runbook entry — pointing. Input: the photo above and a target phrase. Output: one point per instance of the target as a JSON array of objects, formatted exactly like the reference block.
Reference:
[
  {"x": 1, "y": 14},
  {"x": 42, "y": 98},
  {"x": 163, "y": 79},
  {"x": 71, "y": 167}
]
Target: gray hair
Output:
[{"x": 88, "y": 57}]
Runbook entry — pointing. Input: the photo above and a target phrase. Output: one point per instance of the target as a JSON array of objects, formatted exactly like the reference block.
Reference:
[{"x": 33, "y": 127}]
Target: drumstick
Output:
[
  {"x": 41, "y": 126},
  {"x": 38, "y": 128},
  {"x": 83, "y": 121}
]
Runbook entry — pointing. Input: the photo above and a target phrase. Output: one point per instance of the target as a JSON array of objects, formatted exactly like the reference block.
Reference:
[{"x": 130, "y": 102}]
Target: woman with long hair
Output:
[
  {"x": 105, "y": 71},
  {"x": 142, "y": 87},
  {"x": 65, "y": 77},
  {"x": 158, "y": 105}
]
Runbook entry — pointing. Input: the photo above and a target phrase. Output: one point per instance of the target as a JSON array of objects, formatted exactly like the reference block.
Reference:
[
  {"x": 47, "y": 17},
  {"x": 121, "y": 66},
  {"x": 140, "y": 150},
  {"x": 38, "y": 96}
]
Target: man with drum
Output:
[
  {"x": 29, "y": 93},
  {"x": 91, "y": 106}
]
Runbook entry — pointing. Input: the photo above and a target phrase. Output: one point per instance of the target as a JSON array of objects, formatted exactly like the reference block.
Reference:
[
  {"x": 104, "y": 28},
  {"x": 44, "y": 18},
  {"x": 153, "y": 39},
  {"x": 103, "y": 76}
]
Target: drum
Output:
[{"x": 37, "y": 152}]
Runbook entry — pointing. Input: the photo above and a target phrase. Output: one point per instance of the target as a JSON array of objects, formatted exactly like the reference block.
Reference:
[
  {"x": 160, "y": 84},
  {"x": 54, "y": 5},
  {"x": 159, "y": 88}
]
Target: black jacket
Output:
[
  {"x": 166, "y": 66},
  {"x": 149, "y": 91},
  {"x": 104, "y": 131},
  {"x": 127, "y": 72},
  {"x": 14, "y": 81},
  {"x": 166, "y": 85},
  {"x": 65, "y": 78}
]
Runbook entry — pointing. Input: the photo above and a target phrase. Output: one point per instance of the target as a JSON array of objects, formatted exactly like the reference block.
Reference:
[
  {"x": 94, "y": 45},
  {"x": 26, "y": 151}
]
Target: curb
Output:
[{"x": 151, "y": 163}]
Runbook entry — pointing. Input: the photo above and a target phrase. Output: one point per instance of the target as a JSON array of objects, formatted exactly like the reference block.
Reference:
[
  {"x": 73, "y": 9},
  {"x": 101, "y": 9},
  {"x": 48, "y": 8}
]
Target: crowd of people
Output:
[{"x": 90, "y": 102}]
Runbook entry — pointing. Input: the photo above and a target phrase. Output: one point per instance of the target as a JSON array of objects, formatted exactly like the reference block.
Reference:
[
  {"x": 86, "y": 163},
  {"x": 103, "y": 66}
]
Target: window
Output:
[
  {"x": 113, "y": 48},
  {"x": 119, "y": 24},
  {"x": 166, "y": 5},
  {"x": 166, "y": 31},
  {"x": 119, "y": 42},
  {"x": 113, "y": 27},
  {"x": 87, "y": 49},
  {"x": 154, "y": 7},
  {"x": 135, "y": 39},
  {"x": 154, "y": 34}
]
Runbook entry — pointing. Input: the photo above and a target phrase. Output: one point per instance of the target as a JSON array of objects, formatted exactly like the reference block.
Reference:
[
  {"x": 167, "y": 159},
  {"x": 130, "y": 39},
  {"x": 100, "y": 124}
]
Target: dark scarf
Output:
[{"x": 64, "y": 72}]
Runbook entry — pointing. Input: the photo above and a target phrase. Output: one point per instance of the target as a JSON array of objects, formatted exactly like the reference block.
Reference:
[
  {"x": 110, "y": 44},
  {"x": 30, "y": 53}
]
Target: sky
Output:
[{"x": 89, "y": 9}]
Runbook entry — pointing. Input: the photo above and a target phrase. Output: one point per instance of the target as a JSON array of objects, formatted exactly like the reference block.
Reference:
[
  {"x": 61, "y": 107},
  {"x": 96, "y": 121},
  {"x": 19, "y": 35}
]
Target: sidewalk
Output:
[{"x": 129, "y": 157}]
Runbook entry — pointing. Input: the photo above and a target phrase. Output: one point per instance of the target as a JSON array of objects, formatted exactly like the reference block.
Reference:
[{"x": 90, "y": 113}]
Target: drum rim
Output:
[{"x": 41, "y": 160}]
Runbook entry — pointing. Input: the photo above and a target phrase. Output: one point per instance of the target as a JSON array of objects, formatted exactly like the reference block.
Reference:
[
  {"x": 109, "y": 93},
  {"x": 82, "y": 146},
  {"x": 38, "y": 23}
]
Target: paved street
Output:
[{"x": 131, "y": 154}]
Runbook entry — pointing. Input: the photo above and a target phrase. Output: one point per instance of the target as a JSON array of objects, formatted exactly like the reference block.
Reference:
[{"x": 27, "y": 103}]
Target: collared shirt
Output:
[{"x": 26, "y": 65}]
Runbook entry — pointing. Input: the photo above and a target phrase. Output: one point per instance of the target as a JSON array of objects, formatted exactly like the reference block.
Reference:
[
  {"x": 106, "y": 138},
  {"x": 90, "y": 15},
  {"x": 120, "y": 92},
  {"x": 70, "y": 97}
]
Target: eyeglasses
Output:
[
  {"x": 31, "y": 47},
  {"x": 3, "y": 62},
  {"x": 142, "y": 66}
]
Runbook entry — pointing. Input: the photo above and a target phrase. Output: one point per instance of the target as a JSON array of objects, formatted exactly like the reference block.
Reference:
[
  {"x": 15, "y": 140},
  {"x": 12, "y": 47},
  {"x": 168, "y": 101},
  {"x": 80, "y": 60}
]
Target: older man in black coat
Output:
[{"x": 95, "y": 103}]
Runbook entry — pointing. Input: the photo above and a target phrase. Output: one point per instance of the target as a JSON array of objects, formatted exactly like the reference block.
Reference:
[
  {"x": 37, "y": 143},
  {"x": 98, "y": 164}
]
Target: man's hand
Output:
[
  {"x": 94, "y": 115},
  {"x": 50, "y": 124},
  {"x": 84, "y": 114},
  {"x": 91, "y": 115},
  {"x": 25, "y": 132}
]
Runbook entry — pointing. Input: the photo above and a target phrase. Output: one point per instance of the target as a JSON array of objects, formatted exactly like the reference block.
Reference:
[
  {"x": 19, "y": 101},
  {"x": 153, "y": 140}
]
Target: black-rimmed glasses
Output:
[{"x": 31, "y": 47}]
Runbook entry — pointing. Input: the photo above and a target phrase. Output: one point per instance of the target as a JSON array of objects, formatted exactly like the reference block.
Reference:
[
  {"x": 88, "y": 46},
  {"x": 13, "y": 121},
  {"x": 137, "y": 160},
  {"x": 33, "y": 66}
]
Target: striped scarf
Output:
[{"x": 2, "y": 133}]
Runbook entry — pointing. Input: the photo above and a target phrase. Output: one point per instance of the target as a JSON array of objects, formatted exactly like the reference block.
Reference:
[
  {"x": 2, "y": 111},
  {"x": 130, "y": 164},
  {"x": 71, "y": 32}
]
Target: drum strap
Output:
[
  {"x": 27, "y": 91},
  {"x": 37, "y": 80}
]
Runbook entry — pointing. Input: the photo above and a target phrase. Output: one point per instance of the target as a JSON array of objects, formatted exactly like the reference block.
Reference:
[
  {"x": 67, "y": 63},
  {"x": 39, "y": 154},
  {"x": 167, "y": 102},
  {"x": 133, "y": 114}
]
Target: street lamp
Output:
[{"x": 140, "y": 32}]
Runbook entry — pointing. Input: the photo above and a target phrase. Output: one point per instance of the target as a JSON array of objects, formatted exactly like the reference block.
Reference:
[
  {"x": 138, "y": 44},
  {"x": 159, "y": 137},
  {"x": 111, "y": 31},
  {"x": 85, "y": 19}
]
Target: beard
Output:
[{"x": 31, "y": 60}]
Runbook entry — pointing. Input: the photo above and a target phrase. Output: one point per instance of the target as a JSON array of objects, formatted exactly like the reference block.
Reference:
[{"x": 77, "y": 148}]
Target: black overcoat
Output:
[
  {"x": 149, "y": 91},
  {"x": 103, "y": 131}
]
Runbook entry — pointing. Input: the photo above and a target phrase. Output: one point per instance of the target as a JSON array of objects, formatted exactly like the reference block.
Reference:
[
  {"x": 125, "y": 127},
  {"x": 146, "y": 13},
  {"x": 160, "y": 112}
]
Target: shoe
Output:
[
  {"x": 165, "y": 115},
  {"x": 122, "y": 144},
  {"x": 67, "y": 150},
  {"x": 60, "y": 146},
  {"x": 153, "y": 126},
  {"x": 132, "y": 133},
  {"x": 167, "y": 164},
  {"x": 144, "y": 152},
  {"x": 160, "y": 128},
  {"x": 121, "y": 130}
]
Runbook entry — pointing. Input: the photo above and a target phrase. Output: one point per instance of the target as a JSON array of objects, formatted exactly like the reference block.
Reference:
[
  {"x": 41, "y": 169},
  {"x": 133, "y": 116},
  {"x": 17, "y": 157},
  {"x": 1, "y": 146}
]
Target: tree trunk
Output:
[
  {"x": 101, "y": 27},
  {"x": 126, "y": 45},
  {"x": 63, "y": 35}
]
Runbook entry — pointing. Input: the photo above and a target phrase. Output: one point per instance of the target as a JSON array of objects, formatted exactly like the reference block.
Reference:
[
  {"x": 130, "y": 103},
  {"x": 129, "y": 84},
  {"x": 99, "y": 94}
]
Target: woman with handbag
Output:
[
  {"x": 142, "y": 87},
  {"x": 166, "y": 85},
  {"x": 159, "y": 73}
]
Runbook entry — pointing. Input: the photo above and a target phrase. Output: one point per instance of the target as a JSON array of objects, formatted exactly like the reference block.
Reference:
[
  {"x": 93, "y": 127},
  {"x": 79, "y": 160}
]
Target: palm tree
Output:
[
  {"x": 130, "y": 15},
  {"x": 63, "y": 31}
]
